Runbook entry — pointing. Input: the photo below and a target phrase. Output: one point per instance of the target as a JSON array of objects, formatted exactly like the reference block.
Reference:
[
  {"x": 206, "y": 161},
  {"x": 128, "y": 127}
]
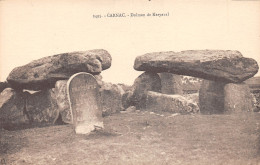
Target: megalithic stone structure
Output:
[
  {"x": 43, "y": 73},
  {"x": 223, "y": 72},
  {"x": 227, "y": 66}
]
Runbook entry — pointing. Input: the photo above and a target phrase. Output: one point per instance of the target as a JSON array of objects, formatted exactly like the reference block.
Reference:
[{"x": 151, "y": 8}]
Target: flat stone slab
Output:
[
  {"x": 157, "y": 102},
  {"x": 217, "y": 65},
  {"x": 84, "y": 102},
  {"x": 44, "y": 72}
]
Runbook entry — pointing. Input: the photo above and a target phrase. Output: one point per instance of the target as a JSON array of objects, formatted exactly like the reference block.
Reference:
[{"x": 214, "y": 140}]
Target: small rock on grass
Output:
[{"x": 129, "y": 109}]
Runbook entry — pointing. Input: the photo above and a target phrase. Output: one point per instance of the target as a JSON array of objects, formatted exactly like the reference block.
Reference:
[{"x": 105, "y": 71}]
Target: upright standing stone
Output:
[
  {"x": 171, "y": 83},
  {"x": 147, "y": 81},
  {"x": 62, "y": 100},
  {"x": 127, "y": 99},
  {"x": 12, "y": 108},
  {"x": 211, "y": 97},
  {"x": 41, "y": 107},
  {"x": 238, "y": 98},
  {"x": 84, "y": 102},
  {"x": 111, "y": 98}
]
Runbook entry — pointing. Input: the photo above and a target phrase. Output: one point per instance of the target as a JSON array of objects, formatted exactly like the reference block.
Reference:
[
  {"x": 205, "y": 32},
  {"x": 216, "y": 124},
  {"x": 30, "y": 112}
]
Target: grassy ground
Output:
[{"x": 140, "y": 138}]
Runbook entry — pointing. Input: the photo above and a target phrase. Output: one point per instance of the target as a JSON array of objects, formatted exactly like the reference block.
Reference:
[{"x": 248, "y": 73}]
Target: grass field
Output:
[{"x": 140, "y": 138}]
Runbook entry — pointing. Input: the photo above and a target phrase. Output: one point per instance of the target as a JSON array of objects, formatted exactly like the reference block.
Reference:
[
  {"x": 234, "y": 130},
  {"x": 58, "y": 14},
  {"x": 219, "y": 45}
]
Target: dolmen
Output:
[
  {"x": 222, "y": 91},
  {"x": 37, "y": 92}
]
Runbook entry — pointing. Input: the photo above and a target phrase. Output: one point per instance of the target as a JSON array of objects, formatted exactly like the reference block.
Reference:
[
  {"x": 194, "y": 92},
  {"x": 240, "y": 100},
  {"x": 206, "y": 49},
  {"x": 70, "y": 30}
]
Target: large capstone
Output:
[
  {"x": 217, "y": 65},
  {"x": 43, "y": 73}
]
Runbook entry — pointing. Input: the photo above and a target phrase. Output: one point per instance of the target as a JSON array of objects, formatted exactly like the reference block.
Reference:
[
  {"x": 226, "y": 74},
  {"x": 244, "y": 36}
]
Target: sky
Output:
[{"x": 32, "y": 29}]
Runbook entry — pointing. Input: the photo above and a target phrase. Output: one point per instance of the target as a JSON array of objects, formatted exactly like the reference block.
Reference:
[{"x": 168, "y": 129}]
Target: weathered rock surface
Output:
[
  {"x": 171, "y": 83},
  {"x": 216, "y": 65},
  {"x": 43, "y": 73},
  {"x": 253, "y": 83},
  {"x": 147, "y": 81},
  {"x": 127, "y": 98},
  {"x": 84, "y": 100},
  {"x": 157, "y": 102},
  {"x": 42, "y": 107},
  {"x": 193, "y": 96},
  {"x": 62, "y": 100},
  {"x": 211, "y": 97},
  {"x": 256, "y": 101},
  {"x": 99, "y": 78},
  {"x": 12, "y": 108},
  {"x": 238, "y": 98},
  {"x": 4, "y": 85},
  {"x": 129, "y": 109},
  {"x": 111, "y": 98}
]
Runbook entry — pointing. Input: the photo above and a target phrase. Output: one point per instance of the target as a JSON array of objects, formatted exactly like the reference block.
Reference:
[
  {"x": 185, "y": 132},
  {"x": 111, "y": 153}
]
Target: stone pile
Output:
[
  {"x": 47, "y": 77},
  {"x": 222, "y": 89}
]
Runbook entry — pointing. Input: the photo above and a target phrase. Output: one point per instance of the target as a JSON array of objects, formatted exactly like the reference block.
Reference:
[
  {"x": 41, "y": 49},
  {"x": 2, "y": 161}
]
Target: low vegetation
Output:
[{"x": 140, "y": 138}]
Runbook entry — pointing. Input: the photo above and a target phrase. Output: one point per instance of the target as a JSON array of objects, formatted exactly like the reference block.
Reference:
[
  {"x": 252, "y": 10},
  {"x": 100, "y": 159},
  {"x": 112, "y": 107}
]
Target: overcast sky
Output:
[{"x": 33, "y": 29}]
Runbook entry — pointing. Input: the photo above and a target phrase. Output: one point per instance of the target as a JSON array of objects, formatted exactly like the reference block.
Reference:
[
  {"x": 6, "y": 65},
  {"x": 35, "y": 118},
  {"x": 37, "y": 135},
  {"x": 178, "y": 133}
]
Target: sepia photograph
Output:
[{"x": 129, "y": 82}]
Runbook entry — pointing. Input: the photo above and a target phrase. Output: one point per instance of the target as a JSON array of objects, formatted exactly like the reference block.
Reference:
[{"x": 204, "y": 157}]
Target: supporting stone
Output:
[
  {"x": 211, "y": 97},
  {"x": 63, "y": 101},
  {"x": 147, "y": 81},
  {"x": 237, "y": 98},
  {"x": 111, "y": 98},
  {"x": 127, "y": 99},
  {"x": 171, "y": 83},
  {"x": 12, "y": 108},
  {"x": 41, "y": 107}
]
